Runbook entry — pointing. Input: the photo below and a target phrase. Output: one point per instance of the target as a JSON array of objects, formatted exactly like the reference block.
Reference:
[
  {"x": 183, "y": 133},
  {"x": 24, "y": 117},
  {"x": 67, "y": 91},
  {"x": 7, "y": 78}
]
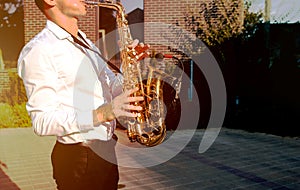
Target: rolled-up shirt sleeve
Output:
[{"x": 44, "y": 105}]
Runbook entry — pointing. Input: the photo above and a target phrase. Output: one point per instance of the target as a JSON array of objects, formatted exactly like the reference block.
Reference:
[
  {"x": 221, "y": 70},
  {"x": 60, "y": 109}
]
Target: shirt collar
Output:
[{"x": 60, "y": 32}]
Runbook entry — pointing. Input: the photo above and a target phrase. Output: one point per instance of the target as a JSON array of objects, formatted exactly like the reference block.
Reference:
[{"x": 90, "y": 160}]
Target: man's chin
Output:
[{"x": 81, "y": 16}]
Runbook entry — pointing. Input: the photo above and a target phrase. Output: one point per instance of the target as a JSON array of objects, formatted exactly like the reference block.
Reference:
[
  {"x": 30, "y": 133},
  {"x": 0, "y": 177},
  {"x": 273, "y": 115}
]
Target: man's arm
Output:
[{"x": 40, "y": 79}]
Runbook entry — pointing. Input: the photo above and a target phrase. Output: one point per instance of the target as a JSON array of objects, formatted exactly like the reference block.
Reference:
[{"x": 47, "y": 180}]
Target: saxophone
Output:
[{"x": 149, "y": 127}]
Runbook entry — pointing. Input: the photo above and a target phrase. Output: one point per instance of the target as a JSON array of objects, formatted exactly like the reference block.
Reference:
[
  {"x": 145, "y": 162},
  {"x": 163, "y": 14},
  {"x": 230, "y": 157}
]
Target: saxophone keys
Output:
[{"x": 141, "y": 48}]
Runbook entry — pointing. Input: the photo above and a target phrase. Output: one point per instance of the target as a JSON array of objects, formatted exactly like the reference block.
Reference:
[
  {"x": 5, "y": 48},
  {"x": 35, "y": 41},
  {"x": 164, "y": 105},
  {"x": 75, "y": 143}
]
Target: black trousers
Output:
[{"x": 77, "y": 166}]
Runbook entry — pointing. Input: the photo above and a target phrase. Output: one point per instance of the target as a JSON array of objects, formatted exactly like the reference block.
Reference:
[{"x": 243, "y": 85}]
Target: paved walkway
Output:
[{"x": 236, "y": 160}]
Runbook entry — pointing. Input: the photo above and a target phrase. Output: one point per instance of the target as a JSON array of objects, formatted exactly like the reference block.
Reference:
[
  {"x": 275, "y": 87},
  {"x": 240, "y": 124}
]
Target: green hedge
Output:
[
  {"x": 12, "y": 104},
  {"x": 14, "y": 116},
  {"x": 16, "y": 93}
]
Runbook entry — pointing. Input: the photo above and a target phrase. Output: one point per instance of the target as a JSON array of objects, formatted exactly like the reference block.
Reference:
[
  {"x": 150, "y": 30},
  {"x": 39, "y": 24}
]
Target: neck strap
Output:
[
  {"x": 85, "y": 45},
  {"x": 76, "y": 40}
]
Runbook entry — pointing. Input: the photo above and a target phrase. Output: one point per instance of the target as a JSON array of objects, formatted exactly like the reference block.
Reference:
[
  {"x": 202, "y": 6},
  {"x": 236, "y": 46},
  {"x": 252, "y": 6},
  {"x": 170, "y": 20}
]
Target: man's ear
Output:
[{"x": 50, "y": 3}]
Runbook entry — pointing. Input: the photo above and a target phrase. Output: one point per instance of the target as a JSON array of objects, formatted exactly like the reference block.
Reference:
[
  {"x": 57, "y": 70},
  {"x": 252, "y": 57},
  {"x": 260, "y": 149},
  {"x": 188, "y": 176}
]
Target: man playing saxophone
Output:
[{"x": 73, "y": 95}]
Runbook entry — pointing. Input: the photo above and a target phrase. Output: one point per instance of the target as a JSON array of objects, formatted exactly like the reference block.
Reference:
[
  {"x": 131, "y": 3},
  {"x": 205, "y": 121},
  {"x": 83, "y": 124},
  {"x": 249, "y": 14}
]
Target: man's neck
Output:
[
  {"x": 70, "y": 26},
  {"x": 67, "y": 23}
]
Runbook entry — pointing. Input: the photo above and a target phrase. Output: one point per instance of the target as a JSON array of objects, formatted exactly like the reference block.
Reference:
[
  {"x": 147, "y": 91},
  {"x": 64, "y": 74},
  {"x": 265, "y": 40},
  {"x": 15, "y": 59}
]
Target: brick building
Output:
[{"x": 155, "y": 11}]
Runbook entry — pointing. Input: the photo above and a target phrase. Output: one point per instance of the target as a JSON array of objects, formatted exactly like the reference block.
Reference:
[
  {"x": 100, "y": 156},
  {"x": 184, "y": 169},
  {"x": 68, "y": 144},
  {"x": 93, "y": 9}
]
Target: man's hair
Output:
[{"x": 40, "y": 4}]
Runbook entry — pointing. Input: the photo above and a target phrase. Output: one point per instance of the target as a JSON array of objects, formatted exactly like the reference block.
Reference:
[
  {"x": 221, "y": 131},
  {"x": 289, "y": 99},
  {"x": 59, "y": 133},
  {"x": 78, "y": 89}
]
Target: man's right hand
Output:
[{"x": 120, "y": 106}]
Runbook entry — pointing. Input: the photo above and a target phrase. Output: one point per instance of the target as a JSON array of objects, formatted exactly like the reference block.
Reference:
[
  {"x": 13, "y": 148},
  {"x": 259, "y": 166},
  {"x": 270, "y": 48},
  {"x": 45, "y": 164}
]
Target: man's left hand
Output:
[{"x": 140, "y": 49}]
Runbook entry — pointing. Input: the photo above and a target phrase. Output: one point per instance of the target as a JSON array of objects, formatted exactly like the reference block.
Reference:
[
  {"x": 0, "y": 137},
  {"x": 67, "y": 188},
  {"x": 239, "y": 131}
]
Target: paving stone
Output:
[{"x": 237, "y": 160}]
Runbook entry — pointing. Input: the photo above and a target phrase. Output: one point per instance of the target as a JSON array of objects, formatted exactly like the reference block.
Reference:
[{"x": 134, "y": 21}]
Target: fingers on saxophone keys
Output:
[
  {"x": 135, "y": 99},
  {"x": 134, "y": 44},
  {"x": 129, "y": 92},
  {"x": 141, "y": 48},
  {"x": 132, "y": 107},
  {"x": 127, "y": 114},
  {"x": 130, "y": 114}
]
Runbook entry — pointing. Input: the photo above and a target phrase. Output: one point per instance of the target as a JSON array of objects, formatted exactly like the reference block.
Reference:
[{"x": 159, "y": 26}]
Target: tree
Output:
[
  {"x": 251, "y": 22},
  {"x": 11, "y": 29},
  {"x": 9, "y": 11},
  {"x": 216, "y": 21},
  {"x": 219, "y": 22}
]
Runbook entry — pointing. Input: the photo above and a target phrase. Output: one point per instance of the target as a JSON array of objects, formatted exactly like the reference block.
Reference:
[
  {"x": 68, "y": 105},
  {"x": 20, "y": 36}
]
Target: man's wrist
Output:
[
  {"x": 96, "y": 122},
  {"x": 103, "y": 113}
]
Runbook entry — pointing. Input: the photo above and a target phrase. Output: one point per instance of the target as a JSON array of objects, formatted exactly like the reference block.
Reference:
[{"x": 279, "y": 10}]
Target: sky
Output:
[
  {"x": 130, "y": 5},
  {"x": 282, "y": 11}
]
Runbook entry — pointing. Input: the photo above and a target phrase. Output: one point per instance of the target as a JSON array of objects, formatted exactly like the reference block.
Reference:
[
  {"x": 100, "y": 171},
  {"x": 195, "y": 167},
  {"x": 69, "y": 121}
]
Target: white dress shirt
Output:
[{"x": 64, "y": 83}]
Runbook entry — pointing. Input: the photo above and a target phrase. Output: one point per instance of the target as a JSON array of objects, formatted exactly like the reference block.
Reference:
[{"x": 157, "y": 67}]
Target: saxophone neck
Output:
[{"x": 106, "y": 4}]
